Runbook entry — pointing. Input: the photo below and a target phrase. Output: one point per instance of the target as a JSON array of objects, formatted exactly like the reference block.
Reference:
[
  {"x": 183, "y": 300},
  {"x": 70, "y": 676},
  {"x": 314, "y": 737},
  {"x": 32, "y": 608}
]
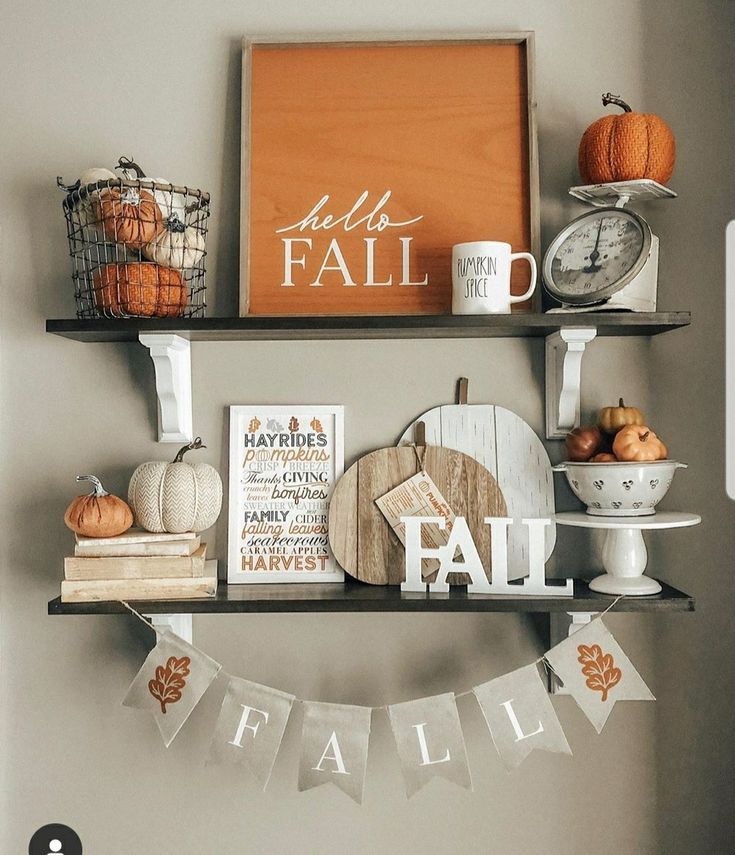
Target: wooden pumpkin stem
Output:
[
  {"x": 644, "y": 436},
  {"x": 127, "y": 163},
  {"x": 609, "y": 98},
  {"x": 99, "y": 490},
  {"x": 620, "y": 402},
  {"x": 192, "y": 446}
]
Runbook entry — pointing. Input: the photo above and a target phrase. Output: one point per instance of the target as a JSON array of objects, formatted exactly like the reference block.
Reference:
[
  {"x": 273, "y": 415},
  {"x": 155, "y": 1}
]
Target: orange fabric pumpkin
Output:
[
  {"x": 140, "y": 288},
  {"x": 129, "y": 216},
  {"x": 638, "y": 443},
  {"x": 626, "y": 147},
  {"x": 98, "y": 514}
]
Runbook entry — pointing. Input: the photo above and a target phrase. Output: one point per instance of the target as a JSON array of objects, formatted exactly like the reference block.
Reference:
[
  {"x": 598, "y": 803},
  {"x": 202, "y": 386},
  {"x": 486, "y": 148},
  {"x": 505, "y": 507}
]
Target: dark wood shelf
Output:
[
  {"x": 357, "y": 597},
  {"x": 258, "y": 327}
]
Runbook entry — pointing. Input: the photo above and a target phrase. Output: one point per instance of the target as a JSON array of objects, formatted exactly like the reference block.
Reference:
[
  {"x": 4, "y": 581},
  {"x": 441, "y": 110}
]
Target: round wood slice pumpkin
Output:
[
  {"x": 178, "y": 496},
  {"x": 361, "y": 539},
  {"x": 626, "y": 147},
  {"x": 141, "y": 289}
]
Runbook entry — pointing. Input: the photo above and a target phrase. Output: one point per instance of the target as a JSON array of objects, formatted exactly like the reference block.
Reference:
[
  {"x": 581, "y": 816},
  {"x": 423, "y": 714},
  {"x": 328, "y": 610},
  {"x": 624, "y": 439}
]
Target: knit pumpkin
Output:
[
  {"x": 178, "y": 496},
  {"x": 140, "y": 289},
  {"x": 626, "y": 147}
]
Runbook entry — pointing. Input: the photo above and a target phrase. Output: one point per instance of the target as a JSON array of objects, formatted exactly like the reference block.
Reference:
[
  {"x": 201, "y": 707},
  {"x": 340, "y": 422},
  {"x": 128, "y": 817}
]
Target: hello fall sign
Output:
[{"x": 364, "y": 162}]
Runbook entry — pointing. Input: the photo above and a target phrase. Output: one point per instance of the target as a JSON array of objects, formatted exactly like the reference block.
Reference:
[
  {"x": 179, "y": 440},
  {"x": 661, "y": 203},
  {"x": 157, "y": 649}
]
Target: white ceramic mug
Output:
[{"x": 481, "y": 277}]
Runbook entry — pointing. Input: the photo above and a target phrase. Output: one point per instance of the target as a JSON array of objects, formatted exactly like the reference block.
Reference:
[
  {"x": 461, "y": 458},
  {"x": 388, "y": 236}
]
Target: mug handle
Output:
[{"x": 534, "y": 274}]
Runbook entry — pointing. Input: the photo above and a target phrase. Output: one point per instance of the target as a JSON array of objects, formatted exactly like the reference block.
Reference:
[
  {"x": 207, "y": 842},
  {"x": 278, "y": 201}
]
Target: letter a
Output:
[{"x": 335, "y": 756}]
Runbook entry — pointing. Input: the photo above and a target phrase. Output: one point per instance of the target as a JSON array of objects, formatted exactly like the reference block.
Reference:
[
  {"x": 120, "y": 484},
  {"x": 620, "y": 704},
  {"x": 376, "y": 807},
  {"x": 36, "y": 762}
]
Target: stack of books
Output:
[{"x": 138, "y": 565}]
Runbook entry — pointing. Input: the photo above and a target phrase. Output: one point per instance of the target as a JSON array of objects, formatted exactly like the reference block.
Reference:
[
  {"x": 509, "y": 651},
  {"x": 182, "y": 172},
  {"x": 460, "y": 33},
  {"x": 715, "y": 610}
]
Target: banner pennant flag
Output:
[
  {"x": 520, "y": 716},
  {"x": 430, "y": 742},
  {"x": 596, "y": 672},
  {"x": 250, "y": 727},
  {"x": 334, "y": 747},
  {"x": 171, "y": 682}
]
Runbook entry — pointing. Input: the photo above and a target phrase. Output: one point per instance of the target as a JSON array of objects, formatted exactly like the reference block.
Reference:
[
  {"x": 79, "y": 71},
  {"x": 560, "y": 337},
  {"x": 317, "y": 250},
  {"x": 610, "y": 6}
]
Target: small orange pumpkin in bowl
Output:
[
  {"x": 611, "y": 419},
  {"x": 638, "y": 443}
]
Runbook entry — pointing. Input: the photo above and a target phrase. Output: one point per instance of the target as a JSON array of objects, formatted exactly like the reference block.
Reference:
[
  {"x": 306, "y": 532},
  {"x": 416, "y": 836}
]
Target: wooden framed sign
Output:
[
  {"x": 364, "y": 162},
  {"x": 284, "y": 463}
]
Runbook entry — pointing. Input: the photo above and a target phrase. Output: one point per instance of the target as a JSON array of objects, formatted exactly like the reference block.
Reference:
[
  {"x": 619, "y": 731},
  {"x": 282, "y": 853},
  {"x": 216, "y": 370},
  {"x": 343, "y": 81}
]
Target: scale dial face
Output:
[{"x": 596, "y": 255}]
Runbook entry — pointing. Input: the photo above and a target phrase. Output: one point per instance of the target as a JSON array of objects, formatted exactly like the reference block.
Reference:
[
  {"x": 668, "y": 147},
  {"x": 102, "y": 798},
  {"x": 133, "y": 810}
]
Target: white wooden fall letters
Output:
[{"x": 460, "y": 536}]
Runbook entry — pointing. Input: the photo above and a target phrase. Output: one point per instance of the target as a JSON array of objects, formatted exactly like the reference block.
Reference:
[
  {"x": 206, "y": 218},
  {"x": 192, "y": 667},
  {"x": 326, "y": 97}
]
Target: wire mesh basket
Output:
[{"x": 137, "y": 245}]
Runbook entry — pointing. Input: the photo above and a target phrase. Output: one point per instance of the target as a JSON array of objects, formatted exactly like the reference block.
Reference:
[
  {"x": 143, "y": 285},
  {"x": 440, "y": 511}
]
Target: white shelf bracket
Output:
[
  {"x": 561, "y": 626},
  {"x": 171, "y": 355},
  {"x": 564, "y": 352},
  {"x": 180, "y": 625}
]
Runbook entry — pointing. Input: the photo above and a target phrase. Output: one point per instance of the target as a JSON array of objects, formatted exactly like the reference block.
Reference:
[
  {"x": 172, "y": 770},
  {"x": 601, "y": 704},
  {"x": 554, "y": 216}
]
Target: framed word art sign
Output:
[
  {"x": 284, "y": 462},
  {"x": 364, "y": 161}
]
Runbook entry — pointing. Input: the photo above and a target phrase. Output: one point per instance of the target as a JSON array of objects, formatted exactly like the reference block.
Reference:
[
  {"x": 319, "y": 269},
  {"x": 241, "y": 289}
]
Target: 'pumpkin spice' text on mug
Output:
[{"x": 481, "y": 277}]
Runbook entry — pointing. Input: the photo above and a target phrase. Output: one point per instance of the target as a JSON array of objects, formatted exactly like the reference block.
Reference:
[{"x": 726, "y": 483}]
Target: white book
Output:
[{"x": 84, "y": 549}]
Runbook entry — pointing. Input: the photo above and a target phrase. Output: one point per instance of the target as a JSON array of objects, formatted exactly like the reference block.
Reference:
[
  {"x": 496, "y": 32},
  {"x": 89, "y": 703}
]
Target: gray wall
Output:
[{"x": 86, "y": 82}]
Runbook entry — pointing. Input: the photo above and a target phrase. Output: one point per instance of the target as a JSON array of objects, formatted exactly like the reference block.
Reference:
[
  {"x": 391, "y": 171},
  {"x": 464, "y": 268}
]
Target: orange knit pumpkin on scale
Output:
[{"x": 626, "y": 147}]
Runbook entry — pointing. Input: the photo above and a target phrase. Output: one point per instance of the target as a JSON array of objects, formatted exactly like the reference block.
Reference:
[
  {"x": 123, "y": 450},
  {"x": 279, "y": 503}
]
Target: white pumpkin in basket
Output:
[
  {"x": 176, "y": 497},
  {"x": 172, "y": 204},
  {"x": 176, "y": 245}
]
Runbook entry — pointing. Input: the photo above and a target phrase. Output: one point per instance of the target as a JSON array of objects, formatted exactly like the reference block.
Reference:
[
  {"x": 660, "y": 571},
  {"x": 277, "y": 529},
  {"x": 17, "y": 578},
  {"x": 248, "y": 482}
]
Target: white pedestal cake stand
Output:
[{"x": 624, "y": 554}]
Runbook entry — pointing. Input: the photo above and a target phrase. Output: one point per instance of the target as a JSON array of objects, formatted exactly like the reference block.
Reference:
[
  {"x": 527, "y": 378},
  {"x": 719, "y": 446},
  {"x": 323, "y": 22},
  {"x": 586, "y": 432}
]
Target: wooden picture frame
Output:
[
  {"x": 444, "y": 124},
  {"x": 284, "y": 463}
]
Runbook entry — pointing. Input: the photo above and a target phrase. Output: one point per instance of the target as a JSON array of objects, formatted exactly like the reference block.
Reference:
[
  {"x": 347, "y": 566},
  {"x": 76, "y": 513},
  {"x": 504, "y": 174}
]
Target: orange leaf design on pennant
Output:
[
  {"x": 169, "y": 681},
  {"x": 599, "y": 669},
  {"x": 293, "y": 424},
  {"x": 254, "y": 424},
  {"x": 316, "y": 425}
]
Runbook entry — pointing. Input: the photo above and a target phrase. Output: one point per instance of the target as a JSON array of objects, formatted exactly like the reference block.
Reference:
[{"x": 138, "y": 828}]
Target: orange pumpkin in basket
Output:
[
  {"x": 129, "y": 216},
  {"x": 626, "y": 147},
  {"x": 140, "y": 288}
]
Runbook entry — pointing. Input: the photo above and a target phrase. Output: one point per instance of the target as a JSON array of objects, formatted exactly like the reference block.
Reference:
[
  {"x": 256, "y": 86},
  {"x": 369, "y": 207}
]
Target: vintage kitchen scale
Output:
[{"x": 606, "y": 259}]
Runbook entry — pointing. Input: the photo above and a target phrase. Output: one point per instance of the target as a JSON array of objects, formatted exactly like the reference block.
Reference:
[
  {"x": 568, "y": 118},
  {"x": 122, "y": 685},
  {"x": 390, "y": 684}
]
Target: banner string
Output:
[
  {"x": 140, "y": 617},
  {"x": 464, "y": 694}
]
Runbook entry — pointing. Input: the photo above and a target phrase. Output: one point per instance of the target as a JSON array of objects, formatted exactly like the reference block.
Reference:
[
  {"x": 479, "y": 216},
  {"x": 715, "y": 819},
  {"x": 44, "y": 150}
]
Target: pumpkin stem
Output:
[
  {"x": 609, "y": 98},
  {"x": 643, "y": 437},
  {"x": 70, "y": 188},
  {"x": 620, "y": 402},
  {"x": 192, "y": 446},
  {"x": 99, "y": 490},
  {"x": 174, "y": 224},
  {"x": 127, "y": 163}
]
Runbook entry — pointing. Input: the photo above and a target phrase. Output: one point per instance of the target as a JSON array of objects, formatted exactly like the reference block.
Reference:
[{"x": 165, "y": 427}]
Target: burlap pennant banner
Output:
[
  {"x": 520, "y": 716},
  {"x": 250, "y": 727},
  {"x": 596, "y": 672},
  {"x": 171, "y": 682},
  {"x": 430, "y": 742},
  {"x": 334, "y": 747}
]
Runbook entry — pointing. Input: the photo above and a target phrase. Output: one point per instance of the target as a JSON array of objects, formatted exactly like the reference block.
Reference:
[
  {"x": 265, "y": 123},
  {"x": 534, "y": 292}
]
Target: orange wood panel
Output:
[{"x": 441, "y": 127}]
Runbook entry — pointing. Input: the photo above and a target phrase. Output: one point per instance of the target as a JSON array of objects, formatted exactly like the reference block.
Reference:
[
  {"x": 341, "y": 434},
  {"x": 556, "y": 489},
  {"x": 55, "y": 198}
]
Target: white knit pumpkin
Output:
[
  {"x": 176, "y": 245},
  {"x": 176, "y": 497}
]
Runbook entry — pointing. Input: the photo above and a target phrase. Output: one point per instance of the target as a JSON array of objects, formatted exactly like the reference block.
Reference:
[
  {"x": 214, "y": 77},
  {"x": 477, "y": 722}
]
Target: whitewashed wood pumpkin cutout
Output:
[{"x": 509, "y": 447}]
